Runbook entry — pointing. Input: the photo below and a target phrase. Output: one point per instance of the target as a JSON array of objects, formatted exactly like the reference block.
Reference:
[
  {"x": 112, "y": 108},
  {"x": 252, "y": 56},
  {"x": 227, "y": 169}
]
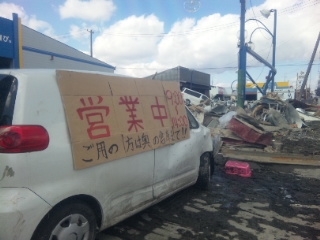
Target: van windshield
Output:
[{"x": 8, "y": 92}]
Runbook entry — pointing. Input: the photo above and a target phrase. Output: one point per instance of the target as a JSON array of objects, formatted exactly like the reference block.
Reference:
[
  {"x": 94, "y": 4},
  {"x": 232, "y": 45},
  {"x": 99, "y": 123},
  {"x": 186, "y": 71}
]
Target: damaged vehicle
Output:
[
  {"x": 50, "y": 185},
  {"x": 193, "y": 97}
]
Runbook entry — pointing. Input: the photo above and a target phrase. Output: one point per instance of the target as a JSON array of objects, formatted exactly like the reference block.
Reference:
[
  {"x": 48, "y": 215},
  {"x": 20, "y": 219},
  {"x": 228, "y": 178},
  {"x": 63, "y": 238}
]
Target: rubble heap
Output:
[{"x": 268, "y": 125}]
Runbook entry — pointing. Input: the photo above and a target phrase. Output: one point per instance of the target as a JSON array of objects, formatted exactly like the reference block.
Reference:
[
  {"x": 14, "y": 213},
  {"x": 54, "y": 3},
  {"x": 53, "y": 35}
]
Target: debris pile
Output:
[
  {"x": 268, "y": 125},
  {"x": 306, "y": 141}
]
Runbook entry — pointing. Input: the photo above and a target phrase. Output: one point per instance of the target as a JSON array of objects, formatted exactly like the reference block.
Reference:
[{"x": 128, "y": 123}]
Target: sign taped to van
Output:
[{"x": 111, "y": 117}]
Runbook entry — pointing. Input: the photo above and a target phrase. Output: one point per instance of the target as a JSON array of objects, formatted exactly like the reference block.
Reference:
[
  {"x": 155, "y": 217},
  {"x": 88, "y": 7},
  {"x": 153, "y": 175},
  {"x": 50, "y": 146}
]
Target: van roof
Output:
[{"x": 50, "y": 70}]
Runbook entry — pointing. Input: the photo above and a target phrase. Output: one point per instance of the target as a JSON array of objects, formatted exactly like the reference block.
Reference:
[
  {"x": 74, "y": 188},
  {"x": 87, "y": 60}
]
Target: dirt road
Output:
[{"x": 277, "y": 202}]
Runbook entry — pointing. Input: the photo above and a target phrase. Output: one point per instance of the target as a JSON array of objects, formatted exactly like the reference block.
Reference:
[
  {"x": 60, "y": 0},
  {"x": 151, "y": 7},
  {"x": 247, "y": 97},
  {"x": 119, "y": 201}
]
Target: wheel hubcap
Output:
[{"x": 72, "y": 227}]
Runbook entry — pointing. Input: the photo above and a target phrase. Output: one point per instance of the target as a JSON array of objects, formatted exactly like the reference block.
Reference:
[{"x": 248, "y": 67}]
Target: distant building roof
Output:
[{"x": 185, "y": 75}]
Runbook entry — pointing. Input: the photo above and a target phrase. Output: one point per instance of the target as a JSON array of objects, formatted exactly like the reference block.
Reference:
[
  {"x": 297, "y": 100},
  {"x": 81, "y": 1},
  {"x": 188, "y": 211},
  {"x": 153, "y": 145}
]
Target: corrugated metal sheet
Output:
[{"x": 41, "y": 51}]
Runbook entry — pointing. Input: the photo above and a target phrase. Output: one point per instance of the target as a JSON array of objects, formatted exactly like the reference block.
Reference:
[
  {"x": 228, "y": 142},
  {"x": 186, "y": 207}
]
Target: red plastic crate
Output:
[{"x": 238, "y": 168}]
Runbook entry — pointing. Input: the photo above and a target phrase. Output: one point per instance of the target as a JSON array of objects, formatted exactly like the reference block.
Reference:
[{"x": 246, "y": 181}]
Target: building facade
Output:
[
  {"x": 188, "y": 78},
  {"x": 283, "y": 89},
  {"x": 23, "y": 47}
]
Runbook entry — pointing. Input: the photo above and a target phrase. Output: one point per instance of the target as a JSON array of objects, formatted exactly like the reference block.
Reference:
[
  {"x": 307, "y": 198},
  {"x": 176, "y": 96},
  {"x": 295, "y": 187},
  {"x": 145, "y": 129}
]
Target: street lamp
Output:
[
  {"x": 250, "y": 45},
  {"x": 245, "y": 48},
  {"x": 266, "y": 14}
]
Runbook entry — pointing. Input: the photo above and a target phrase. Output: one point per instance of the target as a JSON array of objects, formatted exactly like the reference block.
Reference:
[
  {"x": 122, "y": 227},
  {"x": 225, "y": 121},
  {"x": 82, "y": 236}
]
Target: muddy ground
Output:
[{"x": 277, "y": 202}]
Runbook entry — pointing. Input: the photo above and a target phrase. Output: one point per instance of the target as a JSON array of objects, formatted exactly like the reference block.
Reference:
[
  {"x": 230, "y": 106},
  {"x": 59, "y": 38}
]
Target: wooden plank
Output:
[{"x": 265, "y": 157}]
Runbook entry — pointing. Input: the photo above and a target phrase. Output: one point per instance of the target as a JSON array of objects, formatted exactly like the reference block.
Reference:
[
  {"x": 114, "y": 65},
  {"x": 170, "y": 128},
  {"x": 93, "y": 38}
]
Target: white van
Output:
[
  {"x": 193, "y": 97},
  {"x": 54, "y": 186}
]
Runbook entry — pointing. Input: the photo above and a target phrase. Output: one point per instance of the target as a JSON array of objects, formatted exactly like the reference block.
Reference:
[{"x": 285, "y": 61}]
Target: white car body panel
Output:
[
  {"x": 40, "y": 180},
  {"x": 175, "y": 165},
  {"x": 20, "y": 212}
]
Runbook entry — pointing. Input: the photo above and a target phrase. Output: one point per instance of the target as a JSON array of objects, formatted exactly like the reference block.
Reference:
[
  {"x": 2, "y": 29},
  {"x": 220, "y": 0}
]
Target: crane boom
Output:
[{"x": 305, "y": 79}]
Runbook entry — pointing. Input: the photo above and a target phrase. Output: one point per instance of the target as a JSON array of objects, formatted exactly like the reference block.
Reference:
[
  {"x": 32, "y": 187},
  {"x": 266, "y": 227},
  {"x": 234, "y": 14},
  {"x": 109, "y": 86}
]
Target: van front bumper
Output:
[{"x": 21, "y": 210}]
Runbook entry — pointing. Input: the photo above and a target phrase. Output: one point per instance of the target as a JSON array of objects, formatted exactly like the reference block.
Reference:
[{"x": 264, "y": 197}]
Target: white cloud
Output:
[
  {"x": 141, "y": 69},
  {"x": 82, "y": 33},
  {"x": 77, "y": 32},
  {"x": 129, "y": 41},
  {"x": 6, "y": 10},
  {"x": 40, "y": 26},
  {"x": 210, "y": 43},
  {"x": 298, "y": 24},
  {"x": 138, "y": 46},
  {"x": 201, "y": 44},
  {"x": 92, "y": 10}
]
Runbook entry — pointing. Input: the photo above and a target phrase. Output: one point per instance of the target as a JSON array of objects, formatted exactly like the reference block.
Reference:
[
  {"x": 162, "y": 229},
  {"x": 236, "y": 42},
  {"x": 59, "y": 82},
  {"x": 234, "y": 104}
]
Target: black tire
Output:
[
  {"x": 205, "y": 172},
  {"x": 188, "y": 102},
  {"x": 65, "y": 221}
]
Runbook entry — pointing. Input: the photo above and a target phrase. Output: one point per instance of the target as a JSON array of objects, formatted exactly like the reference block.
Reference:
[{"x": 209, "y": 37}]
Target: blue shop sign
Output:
[{"x": 6, "y": 38}]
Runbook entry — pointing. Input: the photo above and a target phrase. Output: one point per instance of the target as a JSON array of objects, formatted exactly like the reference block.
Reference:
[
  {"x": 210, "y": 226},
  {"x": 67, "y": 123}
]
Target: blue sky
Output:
[{"x": 141, "y": 37}]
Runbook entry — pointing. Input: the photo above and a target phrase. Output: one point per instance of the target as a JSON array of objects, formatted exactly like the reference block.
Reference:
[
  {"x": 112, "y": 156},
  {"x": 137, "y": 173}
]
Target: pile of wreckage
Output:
[{"x": 267, "y": 130}]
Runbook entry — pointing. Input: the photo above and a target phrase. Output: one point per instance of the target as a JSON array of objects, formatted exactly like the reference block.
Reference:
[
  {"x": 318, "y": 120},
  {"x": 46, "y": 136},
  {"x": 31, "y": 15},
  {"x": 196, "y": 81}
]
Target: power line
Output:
[
  {"x": 220, "y": 68},
  {"x": 290, "y": 9}
]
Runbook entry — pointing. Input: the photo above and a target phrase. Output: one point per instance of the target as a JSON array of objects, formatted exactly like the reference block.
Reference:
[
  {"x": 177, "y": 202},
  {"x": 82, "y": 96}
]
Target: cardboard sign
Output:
[{"x": 112, "y": 117}]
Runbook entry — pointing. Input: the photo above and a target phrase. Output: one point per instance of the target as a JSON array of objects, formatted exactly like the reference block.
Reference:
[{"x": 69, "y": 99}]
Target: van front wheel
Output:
[
  {"x": 70, "y": 221},
  {"x": 204, "y": 177}
]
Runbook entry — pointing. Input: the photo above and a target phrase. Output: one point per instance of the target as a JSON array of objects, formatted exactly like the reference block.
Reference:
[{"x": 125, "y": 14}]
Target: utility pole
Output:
[
  {"x": 242, "y": 58},
  {"x": 274, "y": 40},
  {"x": 91, "y": 33}
]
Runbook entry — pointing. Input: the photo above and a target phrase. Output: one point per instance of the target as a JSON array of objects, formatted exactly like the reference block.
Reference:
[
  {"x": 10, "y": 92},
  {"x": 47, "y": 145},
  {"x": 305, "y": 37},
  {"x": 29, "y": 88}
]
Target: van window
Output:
[
  {"x": 192, "y": 120},
  {"x": 192, "y": 93},
  {"x": 204, "y": 97},
  {"x": 8, "y": 92}
]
